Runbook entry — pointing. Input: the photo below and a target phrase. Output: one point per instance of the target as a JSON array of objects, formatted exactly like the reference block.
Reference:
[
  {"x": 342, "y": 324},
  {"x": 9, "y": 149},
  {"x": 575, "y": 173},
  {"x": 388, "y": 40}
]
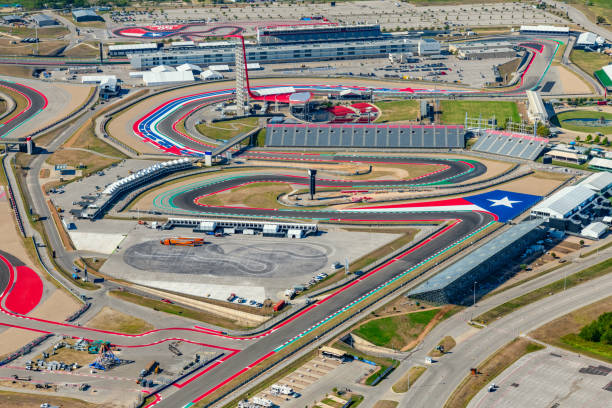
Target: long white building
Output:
[
  {"x": 535, "y": 107},
  {"x": 224, "y": 53}
]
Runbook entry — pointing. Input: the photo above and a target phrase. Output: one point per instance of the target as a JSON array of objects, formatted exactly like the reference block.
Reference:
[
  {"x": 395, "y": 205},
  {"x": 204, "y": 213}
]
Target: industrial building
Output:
[
  {"x": 478, "y": 272},
  {"x": 13, "y": 19},
  {"x": 224, "y": 54},
  {"x": 536, "y": 110},
  {"x": 478, "y": 45},
  {"x": 43, "y": 20},
  {"x": 589, "y": 41},
  {"x": 85, "y": 15},
  {"x": 575, "y": 207}
]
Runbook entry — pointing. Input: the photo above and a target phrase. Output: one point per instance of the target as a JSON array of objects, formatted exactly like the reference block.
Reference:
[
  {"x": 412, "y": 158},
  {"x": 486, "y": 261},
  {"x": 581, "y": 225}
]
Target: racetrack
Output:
[{"x": 36, "y": 102}]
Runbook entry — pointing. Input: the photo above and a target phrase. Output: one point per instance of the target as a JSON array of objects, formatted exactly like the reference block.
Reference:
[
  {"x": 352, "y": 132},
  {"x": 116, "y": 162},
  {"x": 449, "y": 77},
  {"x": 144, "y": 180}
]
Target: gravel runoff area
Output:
[
  {"x": 548, "y": 378},
  {"x": 249, "y": 266}
]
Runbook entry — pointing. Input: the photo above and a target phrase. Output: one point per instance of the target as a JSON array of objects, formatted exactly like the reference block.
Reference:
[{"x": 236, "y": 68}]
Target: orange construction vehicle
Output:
[{"x": 183, "y": 241}]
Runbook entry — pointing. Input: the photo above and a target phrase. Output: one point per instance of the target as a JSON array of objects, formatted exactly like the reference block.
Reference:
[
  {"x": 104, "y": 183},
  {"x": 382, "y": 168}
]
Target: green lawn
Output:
[
  {"x": 398, "y": 110},
  {"x": 560, "y": 120},
  {"x": 227, "y": 129},
  {"x": 395, "y": 331},
  {"x": 454, "y": 111},
  {"x": 589, "y": 62}
]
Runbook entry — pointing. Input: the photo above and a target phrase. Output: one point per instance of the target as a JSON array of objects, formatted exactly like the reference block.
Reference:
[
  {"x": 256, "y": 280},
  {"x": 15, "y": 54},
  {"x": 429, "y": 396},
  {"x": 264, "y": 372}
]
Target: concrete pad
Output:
[
  {"x": 96, "y": 242},
  {"x": 214, "y": 291}
]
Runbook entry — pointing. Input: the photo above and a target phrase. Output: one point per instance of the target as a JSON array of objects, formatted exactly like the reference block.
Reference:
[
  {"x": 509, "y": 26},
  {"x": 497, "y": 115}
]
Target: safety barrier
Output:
[
  {"x": 11, "y": 197},
  {"x": 78, "y": 313},
  {"x": 25, "y": 349}
]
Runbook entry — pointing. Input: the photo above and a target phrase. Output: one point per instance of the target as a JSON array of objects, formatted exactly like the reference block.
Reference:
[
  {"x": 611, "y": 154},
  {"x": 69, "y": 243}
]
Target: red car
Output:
[{"x": 167, "y": 301}]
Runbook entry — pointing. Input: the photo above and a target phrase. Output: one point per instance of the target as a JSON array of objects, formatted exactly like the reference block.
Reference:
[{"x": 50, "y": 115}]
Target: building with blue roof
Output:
[{"x": 455, "y": 284}]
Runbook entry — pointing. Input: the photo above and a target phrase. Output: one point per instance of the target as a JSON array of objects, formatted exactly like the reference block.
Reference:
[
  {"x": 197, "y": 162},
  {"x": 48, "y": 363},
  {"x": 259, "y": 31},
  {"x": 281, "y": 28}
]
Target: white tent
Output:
[
  {"x": 163, "y": 78},
  {"x": 162, "y": 68},
  {"x": 210, "y": 75},
  {"x": 189, "y": 67}
]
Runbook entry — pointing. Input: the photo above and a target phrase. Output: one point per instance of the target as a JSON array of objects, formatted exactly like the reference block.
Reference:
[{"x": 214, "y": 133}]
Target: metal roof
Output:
[
  {"x": 128, "y": 47},
  {"x": 598, "y": 181},
  {"x": 565, "y": 200},
  {"x": 477, "y": 257},
  {"x": 595, "y": 229},
  {"x": 84, "y": 13},
  {"x": 601, "y": 163},
  {"x": 42, "y": 17}
]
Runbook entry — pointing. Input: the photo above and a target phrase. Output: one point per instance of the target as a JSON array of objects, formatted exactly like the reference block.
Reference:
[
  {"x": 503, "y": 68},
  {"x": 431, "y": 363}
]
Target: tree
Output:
[
  {"x": 601, "y": 19},
  {"x": 597, "y": 139},
  {"x": 577, "y": 138},
  {"x": 589, "y": 138},
  {"x": 605, "y": 141},
  {"x": 581, "y": 242},
  {"x": 543, "y": 130},
  {"x": 523, "y": 267}
]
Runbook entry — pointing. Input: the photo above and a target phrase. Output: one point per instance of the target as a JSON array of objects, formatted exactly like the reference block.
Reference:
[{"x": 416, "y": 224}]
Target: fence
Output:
[{"x": 12, "y": 202}]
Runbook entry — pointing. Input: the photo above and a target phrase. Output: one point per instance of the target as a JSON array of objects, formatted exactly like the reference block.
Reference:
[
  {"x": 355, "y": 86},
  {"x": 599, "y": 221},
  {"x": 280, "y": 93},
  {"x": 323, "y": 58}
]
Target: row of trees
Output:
[
  {"x": 598, "y": 331},
  {"x": 596, "y": 140}
]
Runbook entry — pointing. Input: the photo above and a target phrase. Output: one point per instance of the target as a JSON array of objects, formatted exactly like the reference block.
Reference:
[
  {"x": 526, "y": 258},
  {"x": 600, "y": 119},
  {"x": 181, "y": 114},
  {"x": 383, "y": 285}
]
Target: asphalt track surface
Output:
[{"x": 36, "y": 102}]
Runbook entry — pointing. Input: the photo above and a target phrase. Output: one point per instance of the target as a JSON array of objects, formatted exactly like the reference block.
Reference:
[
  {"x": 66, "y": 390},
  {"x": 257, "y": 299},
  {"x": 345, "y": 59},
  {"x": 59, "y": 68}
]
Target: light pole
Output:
[{"x": 474, "y": 304}]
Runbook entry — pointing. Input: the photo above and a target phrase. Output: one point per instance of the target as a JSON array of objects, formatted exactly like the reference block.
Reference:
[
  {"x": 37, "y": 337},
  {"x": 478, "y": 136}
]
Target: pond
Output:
[{"x": 592, "y": 122}]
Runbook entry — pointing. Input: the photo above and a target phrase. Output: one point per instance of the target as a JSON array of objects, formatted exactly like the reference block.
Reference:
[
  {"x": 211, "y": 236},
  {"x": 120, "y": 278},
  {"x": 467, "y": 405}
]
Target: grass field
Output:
[
  {"x": 408, "y": 379},
  {"x": 16, "y": 70},
  {"x": 577, "y": 278},
  {"x": 489, "y": 369},
  {"x": 563, "y": 332},
  {"x": 45, "y": 32},
  {"x": 113, "y": 320},
  {"x": 395, "y": 331},
  {"x": 227, "y": 129},
  {"x": 45, "y": 48},
  {"x": 561, "y": 118},
  {"x": 398, "y": 110},
  {"x": 83, "y": 50},
  {"x": 258, "y": 195},
  {"x": 454, "y": 111},
  {"x": 26, "y": 400},
  {"x": 589, "y": 62},
  {"x": 20, "y": 103},
  {"x": 199, "y": 315}
]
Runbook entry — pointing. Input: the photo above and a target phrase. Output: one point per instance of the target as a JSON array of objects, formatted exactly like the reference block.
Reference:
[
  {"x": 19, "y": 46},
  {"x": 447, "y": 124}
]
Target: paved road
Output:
[
  {"x": 475, "y": 345},
  {"x": 36, "y": 102},
  {"x": 579, "y": 18}
]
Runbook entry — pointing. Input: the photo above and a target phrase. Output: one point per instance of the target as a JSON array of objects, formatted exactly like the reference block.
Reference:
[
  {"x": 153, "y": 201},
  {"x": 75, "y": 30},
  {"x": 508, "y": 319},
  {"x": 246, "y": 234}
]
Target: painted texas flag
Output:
[{"x": 504, "y": 204}]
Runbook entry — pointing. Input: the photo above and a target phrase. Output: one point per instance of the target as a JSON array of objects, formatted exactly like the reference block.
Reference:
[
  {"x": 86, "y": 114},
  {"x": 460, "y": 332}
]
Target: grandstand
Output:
[
  {"x": 364, "y": 136},
  {"x": 517, "y": 145},
  {"x": 456, "y": 283}
]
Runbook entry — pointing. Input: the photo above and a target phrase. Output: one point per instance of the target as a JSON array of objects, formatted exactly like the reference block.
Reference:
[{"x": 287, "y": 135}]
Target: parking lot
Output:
[
  {"x": 391, "y": 16},
  {"x": 550, "y": 378}
]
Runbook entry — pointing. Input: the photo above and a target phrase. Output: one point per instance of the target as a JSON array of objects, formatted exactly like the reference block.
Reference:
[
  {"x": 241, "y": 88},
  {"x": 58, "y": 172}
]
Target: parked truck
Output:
[
  {"x": 278, "y": 305},
  {"x": 180, "y": 241}
]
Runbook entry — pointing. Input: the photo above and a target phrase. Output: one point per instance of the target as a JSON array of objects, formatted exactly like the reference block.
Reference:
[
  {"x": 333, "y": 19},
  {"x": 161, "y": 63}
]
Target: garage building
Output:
[
  {"x": 43, "y": 20},
  {"x": 85, "y": 15}
]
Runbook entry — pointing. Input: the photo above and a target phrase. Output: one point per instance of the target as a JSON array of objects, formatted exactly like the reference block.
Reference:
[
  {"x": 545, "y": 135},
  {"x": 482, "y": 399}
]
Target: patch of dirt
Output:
[{"x": 113, "y": 320}]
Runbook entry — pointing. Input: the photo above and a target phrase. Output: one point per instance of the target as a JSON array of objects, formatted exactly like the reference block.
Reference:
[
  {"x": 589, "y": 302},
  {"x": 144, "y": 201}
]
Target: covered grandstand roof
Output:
[
  {"x": 274, "y": 91},
  {"x": 545, "y": 29},
  {"x": 364, "y": 135},
  {"x": 479, "y": 256},
  {"x": 564, "y": 201}
]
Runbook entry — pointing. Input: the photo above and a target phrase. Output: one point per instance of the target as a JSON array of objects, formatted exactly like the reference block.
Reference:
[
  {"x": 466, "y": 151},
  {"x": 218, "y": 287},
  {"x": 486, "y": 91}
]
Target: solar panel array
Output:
[
  {"x": 364, "y": 135},
  {"x": 510, "y": 144}
]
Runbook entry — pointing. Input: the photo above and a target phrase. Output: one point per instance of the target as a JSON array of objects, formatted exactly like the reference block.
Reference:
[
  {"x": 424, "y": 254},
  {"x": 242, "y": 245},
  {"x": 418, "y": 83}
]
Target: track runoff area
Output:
[
  {"x": 36, "y": 102},
  {"x": 464, "y": 216}
]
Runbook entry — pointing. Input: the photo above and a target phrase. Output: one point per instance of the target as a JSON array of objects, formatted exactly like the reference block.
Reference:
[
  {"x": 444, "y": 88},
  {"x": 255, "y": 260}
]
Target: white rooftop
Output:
[
  {"x": 122, "y": 47},
  {"x": 188, "y": 67},
  {"x": 546, "y": 28},
  {"x": 162, "y": 68},
  {"x": 274, "y": 91},
  {"x": 565, "y": 200},
  {"x": 598, "y": 181}
]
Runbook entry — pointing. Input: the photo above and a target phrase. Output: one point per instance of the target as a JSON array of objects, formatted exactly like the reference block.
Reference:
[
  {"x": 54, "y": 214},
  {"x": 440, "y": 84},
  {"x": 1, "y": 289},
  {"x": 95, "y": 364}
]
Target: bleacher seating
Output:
[
  {"x": 365, "y": 136},
  {"x": 517, "y": 145}
]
